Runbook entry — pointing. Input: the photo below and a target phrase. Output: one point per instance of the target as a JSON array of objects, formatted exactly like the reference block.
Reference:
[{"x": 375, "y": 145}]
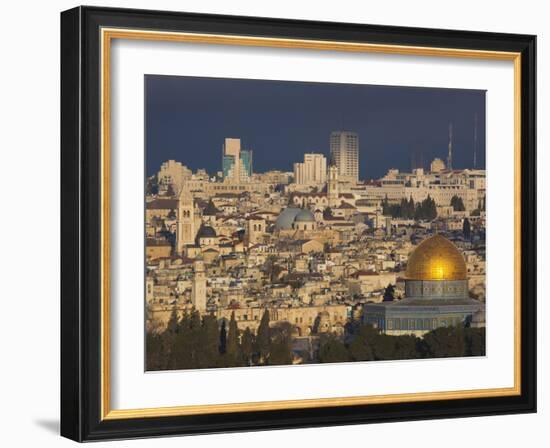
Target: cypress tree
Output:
[
  {"x": 385, "y": 206},
  {"x": 209, "y": 342},
  {"x": 466, "y": 230},
  {"x": 411, "y": 208},
  {"x": 247, "y": 346},
  {"x": 430, "y": 212},
  {"x": 223, "y": 338},
  {"x": 389, "y": 293},
  {"x": 233, "y": 348},
  {"x": 173, "y": 322},
  {"x": 263, "y": 337},
  {"x": 404, "y": 208}
]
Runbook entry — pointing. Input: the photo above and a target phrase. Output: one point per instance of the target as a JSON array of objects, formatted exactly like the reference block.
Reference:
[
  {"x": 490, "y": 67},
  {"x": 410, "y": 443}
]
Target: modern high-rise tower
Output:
[
  {"x": 313, "y": 170},
  {"x": 344, "y": 151},
  {"x": 236, "y": 162}
]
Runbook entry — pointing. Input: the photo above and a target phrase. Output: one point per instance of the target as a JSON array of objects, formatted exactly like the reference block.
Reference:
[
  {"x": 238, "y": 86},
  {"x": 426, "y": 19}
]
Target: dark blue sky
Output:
[{"x": 187, "y": 119}]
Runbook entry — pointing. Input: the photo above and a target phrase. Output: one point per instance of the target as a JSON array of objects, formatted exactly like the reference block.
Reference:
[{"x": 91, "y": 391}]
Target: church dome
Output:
[
  {"x": 286, "y": 218},
  {"x": 305, "y": 215},
  {"x": 206, "y": 232},
  {"x": 436, "y": 258}
]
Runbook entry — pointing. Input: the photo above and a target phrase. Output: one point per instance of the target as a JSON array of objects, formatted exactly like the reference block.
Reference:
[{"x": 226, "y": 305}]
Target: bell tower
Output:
[
  {"x": 332, "y": 186},
  {"x": 185, "y": 230},
  {"x": 198, "y": 287},
  {"x": 254, "y": 230}
]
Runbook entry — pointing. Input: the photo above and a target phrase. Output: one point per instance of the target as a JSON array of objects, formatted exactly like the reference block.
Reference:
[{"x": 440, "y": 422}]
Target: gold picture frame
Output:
[{"x": 108, "y": 30}]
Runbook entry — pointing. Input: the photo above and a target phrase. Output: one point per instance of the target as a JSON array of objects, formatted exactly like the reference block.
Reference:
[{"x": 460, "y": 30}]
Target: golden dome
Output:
[{"x": 436, "y": 258}]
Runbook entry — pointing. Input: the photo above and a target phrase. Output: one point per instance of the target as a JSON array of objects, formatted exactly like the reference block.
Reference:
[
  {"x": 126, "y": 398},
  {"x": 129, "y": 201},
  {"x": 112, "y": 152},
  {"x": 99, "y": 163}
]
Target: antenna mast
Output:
[
  {"x": 450, "y": 154},
  {"x": 475, "y": 140}
]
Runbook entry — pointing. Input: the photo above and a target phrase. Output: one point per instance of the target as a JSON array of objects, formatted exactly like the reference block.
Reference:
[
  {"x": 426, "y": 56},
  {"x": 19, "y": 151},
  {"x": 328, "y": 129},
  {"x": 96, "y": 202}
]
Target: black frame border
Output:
[{"x": 81, "y": 224}]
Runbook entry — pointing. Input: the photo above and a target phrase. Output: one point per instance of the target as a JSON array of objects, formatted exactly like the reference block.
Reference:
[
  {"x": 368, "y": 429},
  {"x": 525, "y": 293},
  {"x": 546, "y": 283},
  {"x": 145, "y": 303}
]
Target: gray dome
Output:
[
  {"x": 206, "y": 232},
  {"x": 286, "y": 218},
  {"x": 305, "y": 215}
]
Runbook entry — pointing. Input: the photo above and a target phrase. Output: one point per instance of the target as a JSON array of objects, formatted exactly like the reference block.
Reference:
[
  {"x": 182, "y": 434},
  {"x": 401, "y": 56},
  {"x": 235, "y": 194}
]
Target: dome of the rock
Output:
[{"x": 436, "y": 258}]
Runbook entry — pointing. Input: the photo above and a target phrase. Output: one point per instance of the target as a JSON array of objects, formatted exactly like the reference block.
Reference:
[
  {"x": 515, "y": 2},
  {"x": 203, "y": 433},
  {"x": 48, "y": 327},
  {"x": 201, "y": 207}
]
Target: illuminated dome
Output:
[{"x": 436, "y": 258}]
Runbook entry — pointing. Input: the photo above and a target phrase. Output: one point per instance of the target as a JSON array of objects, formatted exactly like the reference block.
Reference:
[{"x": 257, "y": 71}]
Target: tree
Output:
[
  {"x": 403, "y": 208},
  {"x": 331, "y": 349},
  {"x": 280, "y": 347},
  {"x": 426, "y": 210},
  {"x": 263, "y": 337},
  {"x": 223, "y": 338},
  {"x": 173, "y": 322},
  {"x": 466, "y": 230},
  {"x": 385, "y": 206},
  {"x": 384, "y": 347},
  {"x": 410, "y": 208},
  {"x": 233, "y": 353},
  {"x": 181, "y": 349},
  {"x": 405, "y": 347},
  {"x": 444, "y": 342},
  {"x": 474, "y": 341},
  {"x": 389, "y": 293},
  {"x": 457, "y": 204},
  {"x": 209, "y": 342},
  {"x": 431, "y": 209},
  {"x": 280, "y": 353},
  {"x": 247, "y": 346},
  {"x": 361, "y": 346},
  {"x": 155, "y": 354}
]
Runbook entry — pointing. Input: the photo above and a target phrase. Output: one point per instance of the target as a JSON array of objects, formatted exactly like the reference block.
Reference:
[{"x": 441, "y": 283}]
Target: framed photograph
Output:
[{"x": 276, "y": 224}]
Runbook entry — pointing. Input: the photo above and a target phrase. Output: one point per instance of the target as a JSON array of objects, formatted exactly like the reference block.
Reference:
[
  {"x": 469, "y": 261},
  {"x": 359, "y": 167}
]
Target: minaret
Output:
[
  {"x": 450, "y": 154},
  {"x": 475, "y": 140},
  {"x": 198, "y": 287},
  {"x": 332, "y": 185}
]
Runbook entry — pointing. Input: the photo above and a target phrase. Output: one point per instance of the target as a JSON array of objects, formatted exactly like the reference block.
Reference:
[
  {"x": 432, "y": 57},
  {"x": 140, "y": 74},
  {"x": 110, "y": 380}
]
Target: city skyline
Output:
[
  {"x": 281, "y": 120},
  {"x": 280, "y": 254}
]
